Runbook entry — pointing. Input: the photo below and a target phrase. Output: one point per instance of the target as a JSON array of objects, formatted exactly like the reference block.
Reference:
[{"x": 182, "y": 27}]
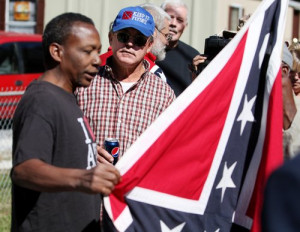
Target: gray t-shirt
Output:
[{"x": 48, "y": 125}]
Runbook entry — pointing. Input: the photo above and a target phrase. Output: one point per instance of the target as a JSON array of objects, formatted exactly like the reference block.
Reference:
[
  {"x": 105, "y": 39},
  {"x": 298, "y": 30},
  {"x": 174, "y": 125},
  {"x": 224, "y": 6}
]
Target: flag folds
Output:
[{"x": 202, "y": 164}]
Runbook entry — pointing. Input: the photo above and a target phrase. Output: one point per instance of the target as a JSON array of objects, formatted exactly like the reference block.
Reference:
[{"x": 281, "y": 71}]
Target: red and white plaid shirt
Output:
[{"x": 114, "y": 114}]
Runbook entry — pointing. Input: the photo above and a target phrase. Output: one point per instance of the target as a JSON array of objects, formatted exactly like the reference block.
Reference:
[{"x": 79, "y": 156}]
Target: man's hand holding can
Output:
[
  {"x": 112, "y": 147},
  {"x": 104, "y": 156}
]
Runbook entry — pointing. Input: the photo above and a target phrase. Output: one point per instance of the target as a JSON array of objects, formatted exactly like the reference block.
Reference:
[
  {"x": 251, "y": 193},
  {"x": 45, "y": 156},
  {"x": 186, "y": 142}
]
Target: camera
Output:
[{"x": 213, "y": 45}]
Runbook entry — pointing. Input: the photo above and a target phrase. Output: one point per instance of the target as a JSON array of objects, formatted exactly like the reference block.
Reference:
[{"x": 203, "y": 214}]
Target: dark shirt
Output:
[
  {"x": 176, "y": 66},
  {"x": 48, "y": 125},
  {"x": 281, "y": 199}
]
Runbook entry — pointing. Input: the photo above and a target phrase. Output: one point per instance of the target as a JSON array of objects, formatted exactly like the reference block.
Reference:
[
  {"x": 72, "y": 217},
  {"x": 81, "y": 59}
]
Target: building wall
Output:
[
  {"x": 249, "y": 8},
  {"x": 206, "y": 17},
  {"x": 104, "y": 11},
  {"x": 223, "y": 10}
]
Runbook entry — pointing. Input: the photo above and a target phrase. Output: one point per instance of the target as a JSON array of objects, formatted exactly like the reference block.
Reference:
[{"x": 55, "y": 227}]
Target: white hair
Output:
[
  {"x": 158, "y": 49},
  {"x": 159, "y": 17},
  {"x": 158, "y": 14},
  {"x": 176, "y": 3}
]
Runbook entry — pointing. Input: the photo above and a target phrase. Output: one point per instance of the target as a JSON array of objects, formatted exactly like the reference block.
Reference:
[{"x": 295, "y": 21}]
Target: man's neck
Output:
[
  {"x": 128, "y": 74},
  {"x": 57, "y": 78},
  {"x": 172, "y": 44}
]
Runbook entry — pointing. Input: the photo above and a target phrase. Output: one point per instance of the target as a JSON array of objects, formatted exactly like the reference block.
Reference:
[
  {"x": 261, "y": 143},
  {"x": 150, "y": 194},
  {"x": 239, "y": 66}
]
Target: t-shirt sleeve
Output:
[{"x": 35, "y": 140}]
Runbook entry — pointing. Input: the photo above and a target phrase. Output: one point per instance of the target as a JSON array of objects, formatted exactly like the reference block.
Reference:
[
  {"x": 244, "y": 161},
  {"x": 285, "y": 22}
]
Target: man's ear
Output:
[
  {"x": 56, "y": 51},
  {"x": 285, "y": 69},
  {"x": 150, "y": 46}
]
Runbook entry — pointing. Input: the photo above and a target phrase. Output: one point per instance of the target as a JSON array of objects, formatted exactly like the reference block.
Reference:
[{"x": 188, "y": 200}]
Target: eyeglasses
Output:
[
  {"x": 294, "y": 73},
  {"x": 137, "y": 40},
  {"x": 167, "y": 36}
]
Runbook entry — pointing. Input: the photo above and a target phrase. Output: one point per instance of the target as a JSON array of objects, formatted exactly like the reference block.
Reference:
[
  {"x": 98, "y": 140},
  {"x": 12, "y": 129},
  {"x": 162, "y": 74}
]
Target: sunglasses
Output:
[
  {"x": 137, "y": 40},
  {"x": 167, "y": 36}
]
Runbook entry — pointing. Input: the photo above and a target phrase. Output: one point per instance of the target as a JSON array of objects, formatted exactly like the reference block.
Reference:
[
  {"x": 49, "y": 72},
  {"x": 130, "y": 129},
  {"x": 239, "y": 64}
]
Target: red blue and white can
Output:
[{"x": 112, "y": 146}]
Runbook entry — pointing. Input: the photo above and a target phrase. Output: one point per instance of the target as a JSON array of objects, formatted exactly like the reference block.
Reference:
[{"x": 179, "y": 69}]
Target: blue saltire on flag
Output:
[{"x": 202, "y": 164}]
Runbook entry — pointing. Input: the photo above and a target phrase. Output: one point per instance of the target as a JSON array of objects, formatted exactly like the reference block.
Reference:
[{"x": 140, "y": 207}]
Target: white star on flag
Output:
[
  {"x": 226, "y": 181},
  {"x": 165, "y": 228},
  {"x": 246, "y": 114},
  {"x": 215, "y": 231}
]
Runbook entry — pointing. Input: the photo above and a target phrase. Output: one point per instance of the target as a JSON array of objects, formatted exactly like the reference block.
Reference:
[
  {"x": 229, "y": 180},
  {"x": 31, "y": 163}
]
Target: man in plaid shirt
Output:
[{"x": 125, "y": 98}]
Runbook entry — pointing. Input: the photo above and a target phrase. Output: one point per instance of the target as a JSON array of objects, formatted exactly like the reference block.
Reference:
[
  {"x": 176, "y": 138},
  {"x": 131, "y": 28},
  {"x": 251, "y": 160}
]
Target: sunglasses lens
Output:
[
  {"x": 137, "y": 40},
  {"x": 140, "y": 41},
  {"x": 122, "y": 37}
]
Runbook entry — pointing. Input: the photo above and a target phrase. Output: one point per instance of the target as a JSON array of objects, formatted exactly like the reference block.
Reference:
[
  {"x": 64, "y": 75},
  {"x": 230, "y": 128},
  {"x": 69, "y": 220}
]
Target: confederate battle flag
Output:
[{"x": 202, "y": 165}]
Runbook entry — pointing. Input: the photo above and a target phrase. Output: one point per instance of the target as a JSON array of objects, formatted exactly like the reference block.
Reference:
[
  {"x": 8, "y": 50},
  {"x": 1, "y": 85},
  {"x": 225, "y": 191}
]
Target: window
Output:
[
  {"x": 21, "y": 57},
  {"x": 32, "y": 56},
  {"x": 296, "y": 18},
  {"x": 235, "y": 13},
  {"x": 8, "y": 59}
]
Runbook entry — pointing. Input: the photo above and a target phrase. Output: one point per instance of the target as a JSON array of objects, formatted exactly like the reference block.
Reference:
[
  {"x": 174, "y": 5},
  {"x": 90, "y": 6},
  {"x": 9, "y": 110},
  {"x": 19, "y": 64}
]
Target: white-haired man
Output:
[
  {"x": 162, "y": 38},
  {"x": 178, "y": 54}
]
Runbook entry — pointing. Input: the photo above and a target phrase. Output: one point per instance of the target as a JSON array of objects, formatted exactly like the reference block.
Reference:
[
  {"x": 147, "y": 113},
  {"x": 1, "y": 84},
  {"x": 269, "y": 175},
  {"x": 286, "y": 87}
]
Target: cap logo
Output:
[
  {"x": 127, "y": 15},
  {"x": 136, "y": 16}
]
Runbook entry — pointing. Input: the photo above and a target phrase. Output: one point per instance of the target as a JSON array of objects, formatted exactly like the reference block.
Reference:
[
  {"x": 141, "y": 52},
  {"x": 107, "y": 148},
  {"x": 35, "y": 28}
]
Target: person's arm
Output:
[
  {"x": 289, "y": 106},
  {"x": 195, "y": 63},
  {"x": 39, "y": 176}
]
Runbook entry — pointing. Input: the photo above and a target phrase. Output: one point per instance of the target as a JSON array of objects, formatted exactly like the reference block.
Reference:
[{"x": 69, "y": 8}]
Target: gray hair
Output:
[
  {"x": 176, "y": 3},
  {"x": 158, "y": 14}
]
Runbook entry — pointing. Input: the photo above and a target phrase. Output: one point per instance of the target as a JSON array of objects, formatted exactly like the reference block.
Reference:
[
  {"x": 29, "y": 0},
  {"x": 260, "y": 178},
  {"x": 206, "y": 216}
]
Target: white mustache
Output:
[{"x": 175, "y": 31}]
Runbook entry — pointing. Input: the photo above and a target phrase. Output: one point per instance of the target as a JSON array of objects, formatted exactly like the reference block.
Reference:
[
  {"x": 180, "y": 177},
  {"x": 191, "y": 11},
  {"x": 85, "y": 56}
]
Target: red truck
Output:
[{"x": 21, "y": 61}]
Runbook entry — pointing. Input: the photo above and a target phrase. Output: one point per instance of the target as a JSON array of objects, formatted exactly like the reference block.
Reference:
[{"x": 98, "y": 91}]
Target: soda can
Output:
[{"x": 112, "y": 146}]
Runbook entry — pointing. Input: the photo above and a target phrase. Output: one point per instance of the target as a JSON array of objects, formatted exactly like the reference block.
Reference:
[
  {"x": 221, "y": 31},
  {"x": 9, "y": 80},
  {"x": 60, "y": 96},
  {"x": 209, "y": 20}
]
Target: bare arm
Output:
[
  {"x": 194, "y": 67},
  {"x": 289, "y": 106},
  {"x": 37, "y": 175}
]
